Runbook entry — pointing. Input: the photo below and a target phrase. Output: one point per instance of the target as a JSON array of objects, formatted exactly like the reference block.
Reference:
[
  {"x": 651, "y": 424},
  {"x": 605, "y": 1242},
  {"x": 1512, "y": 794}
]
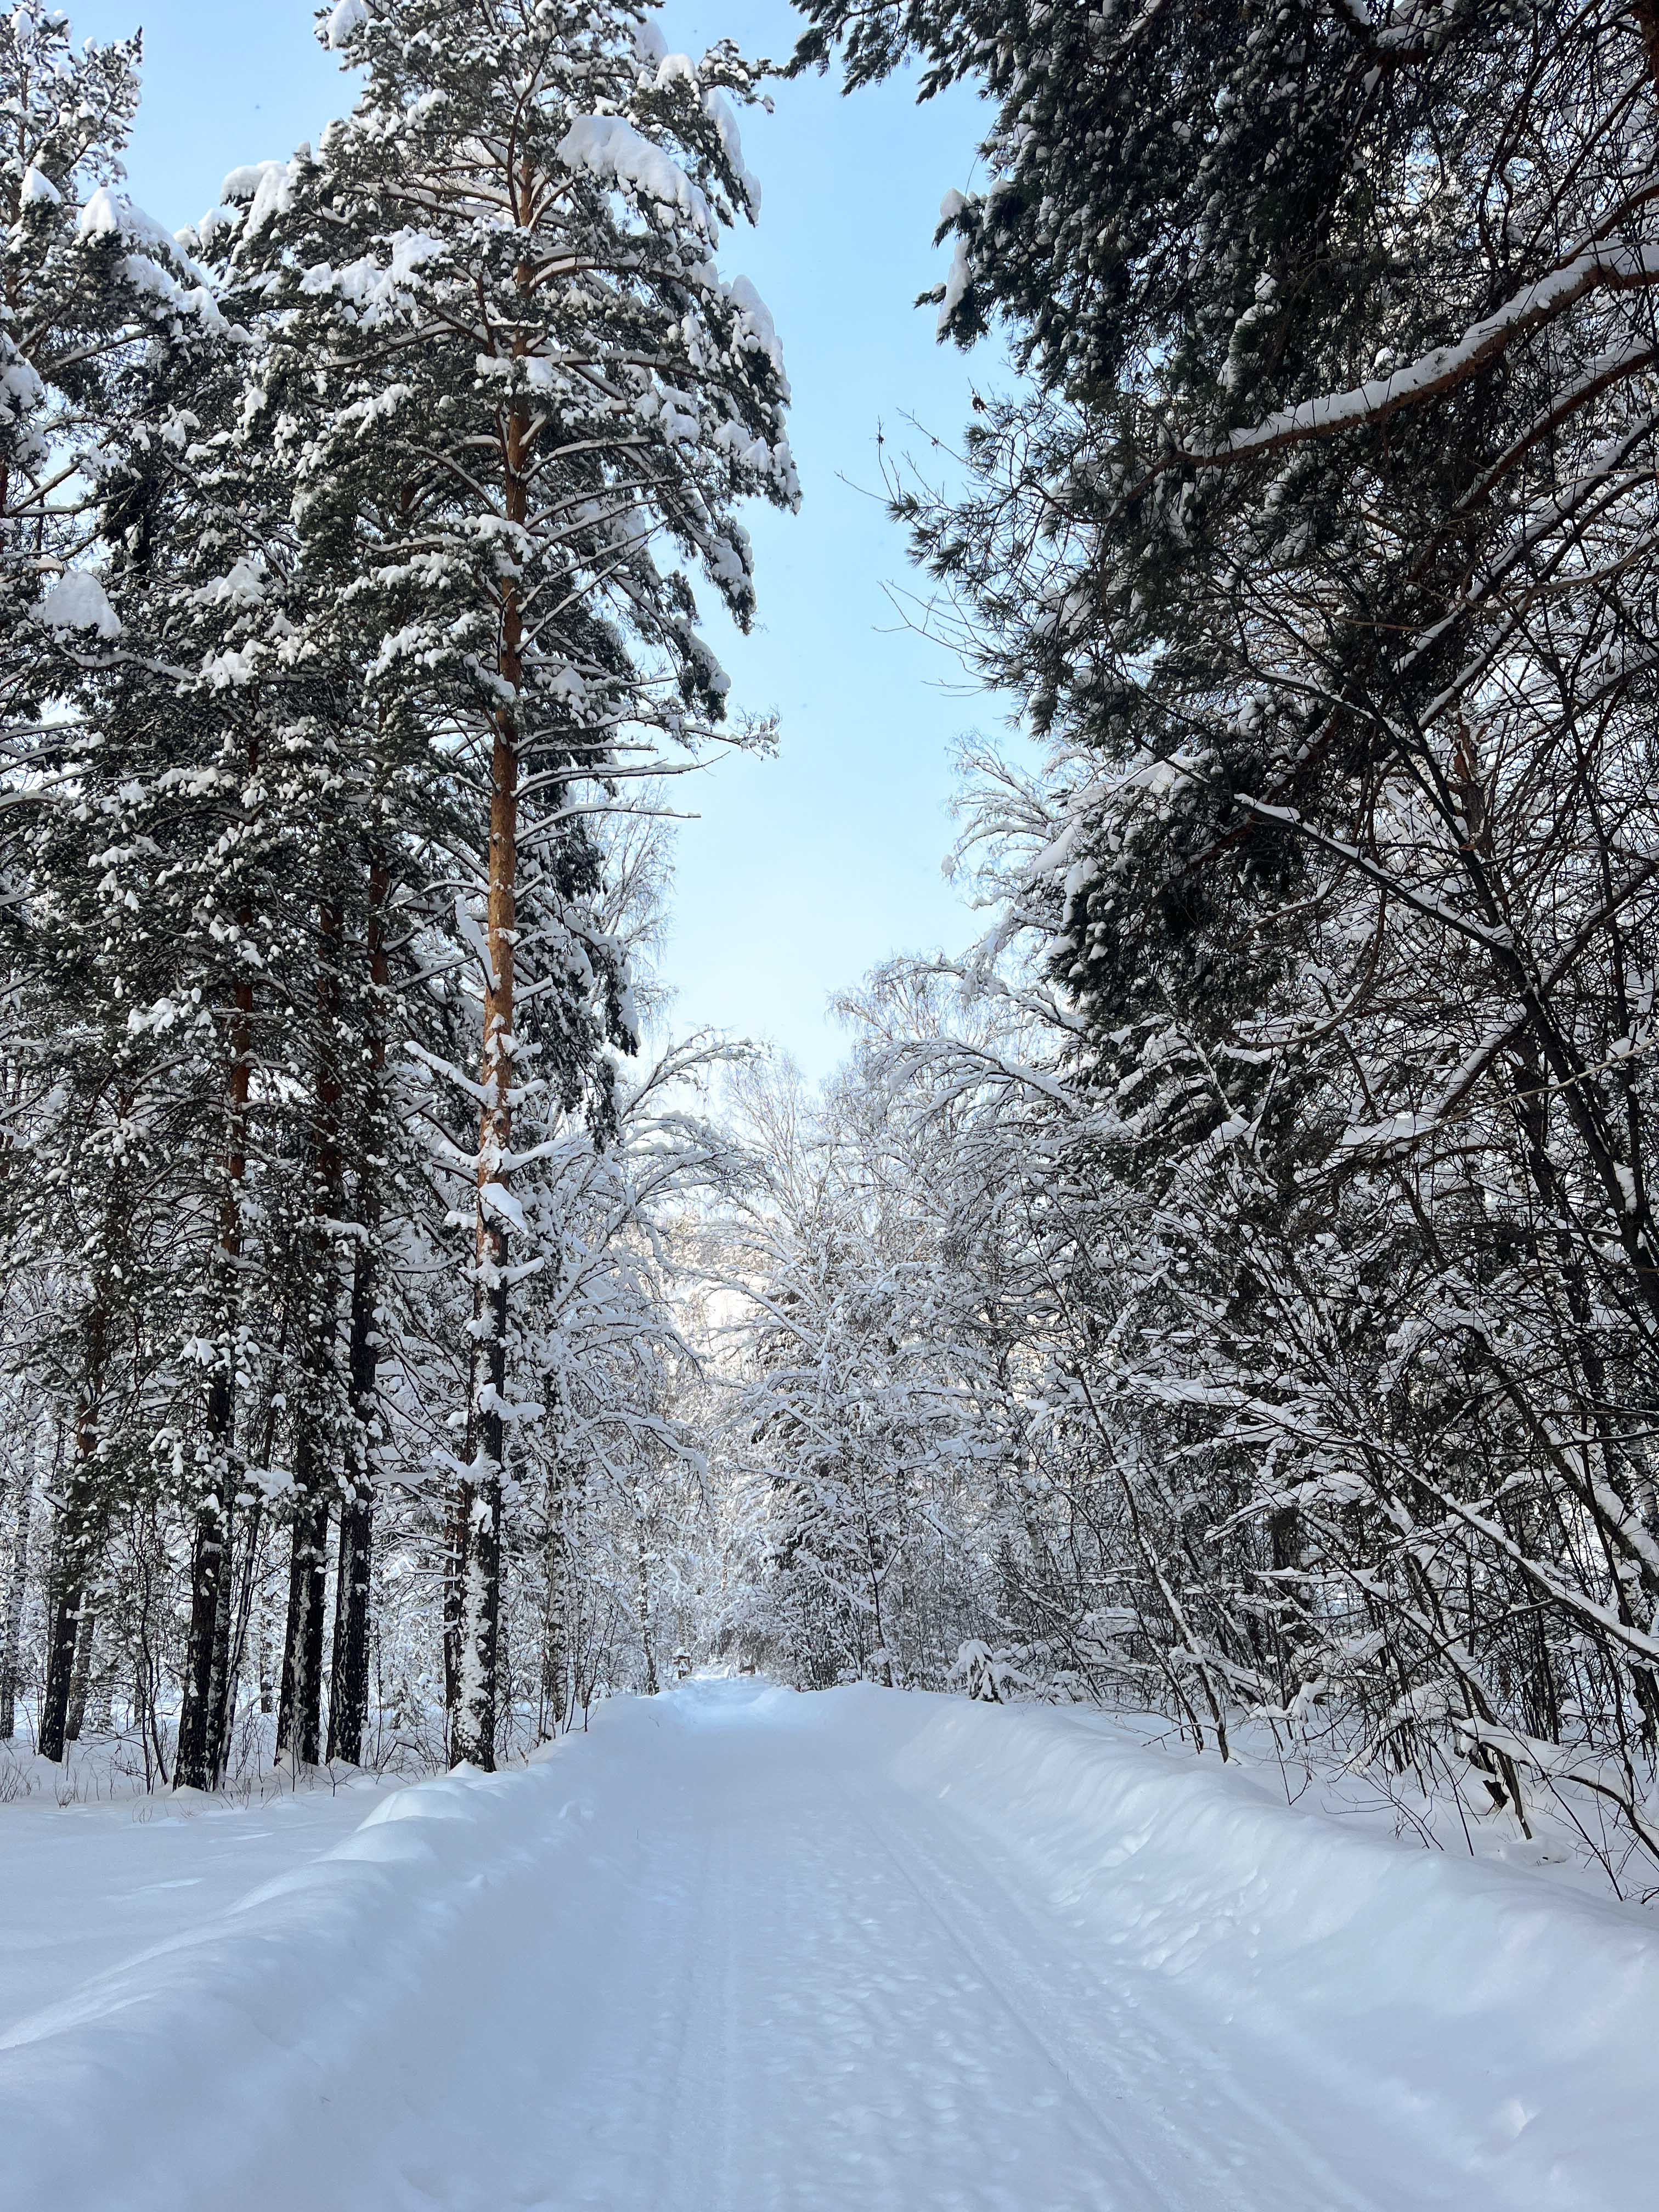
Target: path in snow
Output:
[{"x": 741, "y": 1951}]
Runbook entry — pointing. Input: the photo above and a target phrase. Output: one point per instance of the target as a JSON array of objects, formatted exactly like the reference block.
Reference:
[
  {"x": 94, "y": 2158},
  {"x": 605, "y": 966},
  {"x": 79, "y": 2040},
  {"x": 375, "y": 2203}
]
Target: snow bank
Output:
[
  {"x": 189, "y": 2056},
  {"x": 1482, "y": 2007}
]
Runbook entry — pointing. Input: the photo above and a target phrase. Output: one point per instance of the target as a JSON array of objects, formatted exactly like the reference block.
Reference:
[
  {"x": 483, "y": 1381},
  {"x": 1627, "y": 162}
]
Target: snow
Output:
[
  {"x": 111, "y": 214},
  {"x": 349, "y": 16},
  {"x": 113, "y": 1878},
  {"x": 20, "y": 385},
  {"x": 273, "y": 195},
  {"x": 242, "y": 585},
  {"x": 756, "y": 330},
  {"x": 614, "y": 151},
  {"x": 719, "y": 114},
  {"x": 649, "y": 43},
  {"x": 373, "y": 288},
  {"x": 743, "y": 1948},
  {"x": 1606, "y": 263},
  {"x": 243, "y": 183},
  {"x": 496, "y": 1199},
  {"x": 77, "y": 601}
]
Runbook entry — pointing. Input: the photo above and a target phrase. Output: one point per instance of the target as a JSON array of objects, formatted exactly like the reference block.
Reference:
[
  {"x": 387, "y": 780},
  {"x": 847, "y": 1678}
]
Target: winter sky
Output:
[{"x": 804, "y": 870}]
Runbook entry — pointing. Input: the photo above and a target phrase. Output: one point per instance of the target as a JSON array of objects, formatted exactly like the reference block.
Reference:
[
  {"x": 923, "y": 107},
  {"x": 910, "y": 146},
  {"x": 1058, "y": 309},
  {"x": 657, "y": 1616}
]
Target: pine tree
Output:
[
  {"x": 508, "y": 379},
  {"x": 67, "y": 309},
  {"x": 94, "y": 293}
]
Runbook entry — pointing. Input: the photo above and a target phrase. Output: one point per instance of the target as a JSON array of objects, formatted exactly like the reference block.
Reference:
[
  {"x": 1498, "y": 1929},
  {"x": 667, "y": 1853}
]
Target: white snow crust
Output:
[
  {"x": 349, "y": 15},
  {"x": 77, "y": 601},
  {"x": 742, "y": 1948},
  {"x": 611, "y": 149}
]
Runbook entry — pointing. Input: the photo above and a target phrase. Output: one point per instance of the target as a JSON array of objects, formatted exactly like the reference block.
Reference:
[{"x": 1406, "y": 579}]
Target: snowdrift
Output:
[
  {"x": 1513, "y": 2021},
  {"x": 158, "y": 2075}
]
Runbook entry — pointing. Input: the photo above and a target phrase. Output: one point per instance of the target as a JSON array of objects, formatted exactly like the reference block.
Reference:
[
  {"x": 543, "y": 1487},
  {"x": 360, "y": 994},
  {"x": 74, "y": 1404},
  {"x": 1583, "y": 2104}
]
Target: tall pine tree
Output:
[{"x": 518, "y": 400}]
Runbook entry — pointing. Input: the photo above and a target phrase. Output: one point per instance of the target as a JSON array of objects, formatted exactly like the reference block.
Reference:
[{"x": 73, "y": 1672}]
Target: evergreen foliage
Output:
[{"x": 377, "y": 509}]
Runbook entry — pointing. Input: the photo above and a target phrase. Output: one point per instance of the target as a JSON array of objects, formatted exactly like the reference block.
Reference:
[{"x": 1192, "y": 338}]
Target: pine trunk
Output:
[
  {"x": 80, "y": 1681},
  {"x": 193, "y": 1763},
  {"x": 298, "y": 1718},
  {"x": 642, "y": 1599},
  {"x": 219, "y": 1689},
  {"x": 472, "y": 1728},
  {"x": 61, "y": 1629},
  {"x": 194, "y": 1766},
  {"x": 554, "y": 1557},
  {"x": 11, "y": 1647},
  {"x": 300, "y": 1712},
  {"x": 454, "y": 1569},
  {"x": 75, "y": 1549},
  {"x": 240, "y": 1611},
  {"x": 347, "y": 1695},
  {"x": 267, "y": 1684},
  {"x": 348, "y": 1699}
]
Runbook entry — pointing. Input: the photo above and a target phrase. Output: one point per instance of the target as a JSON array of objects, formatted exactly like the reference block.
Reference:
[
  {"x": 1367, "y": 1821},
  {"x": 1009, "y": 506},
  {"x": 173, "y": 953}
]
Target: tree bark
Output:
[
  {"x": 194, "y": 1764},
  {"x": 237, "y": 1613},
  {"x": 11, "y": 1648},
  {"x": 267, "y": 1686},
  {"x": 299, "y": 1719},
  {"x": 472, "y": 1728},
  {"x": 80, "y": 1680},
  {"x": 347, "y": 1695},
  {"x": 219, "y": 1684},
  {"x": 298, "y": 1712},
  {"x": 643, "y": 1596},
  {"x": 74, "y": 1551},
  {"x": 348, "y": 1699},
  {"x": 554, "y": 1560},
  {"x": 1647, "y": 22},
  {"x": 62, "y": 1631},
  {"x": 454, "y": 1569}
]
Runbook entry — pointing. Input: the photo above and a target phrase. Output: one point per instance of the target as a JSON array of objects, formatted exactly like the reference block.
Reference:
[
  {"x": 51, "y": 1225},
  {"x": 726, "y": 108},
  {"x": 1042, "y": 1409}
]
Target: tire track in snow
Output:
[
  {"x": 696, "y": 2168},
  {"x": 1108, "y": 2140},
  {"x": 952, "y": 1872}
]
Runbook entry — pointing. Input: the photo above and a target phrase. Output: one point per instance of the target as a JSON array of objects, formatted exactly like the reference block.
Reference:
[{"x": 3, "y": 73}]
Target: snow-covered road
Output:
[{"x": 742, "y": 1950}]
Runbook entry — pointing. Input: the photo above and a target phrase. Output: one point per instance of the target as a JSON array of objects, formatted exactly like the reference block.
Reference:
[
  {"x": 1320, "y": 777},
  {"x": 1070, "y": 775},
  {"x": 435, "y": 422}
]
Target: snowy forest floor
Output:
[{"x": 742, "y": 1950}]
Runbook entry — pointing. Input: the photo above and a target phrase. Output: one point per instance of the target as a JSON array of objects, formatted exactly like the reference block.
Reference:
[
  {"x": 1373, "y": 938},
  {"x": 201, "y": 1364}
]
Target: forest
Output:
[{"x": 1223, "y": 1286}]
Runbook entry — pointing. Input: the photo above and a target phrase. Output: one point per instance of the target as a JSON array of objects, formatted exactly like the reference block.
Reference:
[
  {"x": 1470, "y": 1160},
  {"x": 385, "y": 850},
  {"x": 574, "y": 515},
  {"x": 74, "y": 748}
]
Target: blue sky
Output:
[{"x": 804, "y": 870}]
